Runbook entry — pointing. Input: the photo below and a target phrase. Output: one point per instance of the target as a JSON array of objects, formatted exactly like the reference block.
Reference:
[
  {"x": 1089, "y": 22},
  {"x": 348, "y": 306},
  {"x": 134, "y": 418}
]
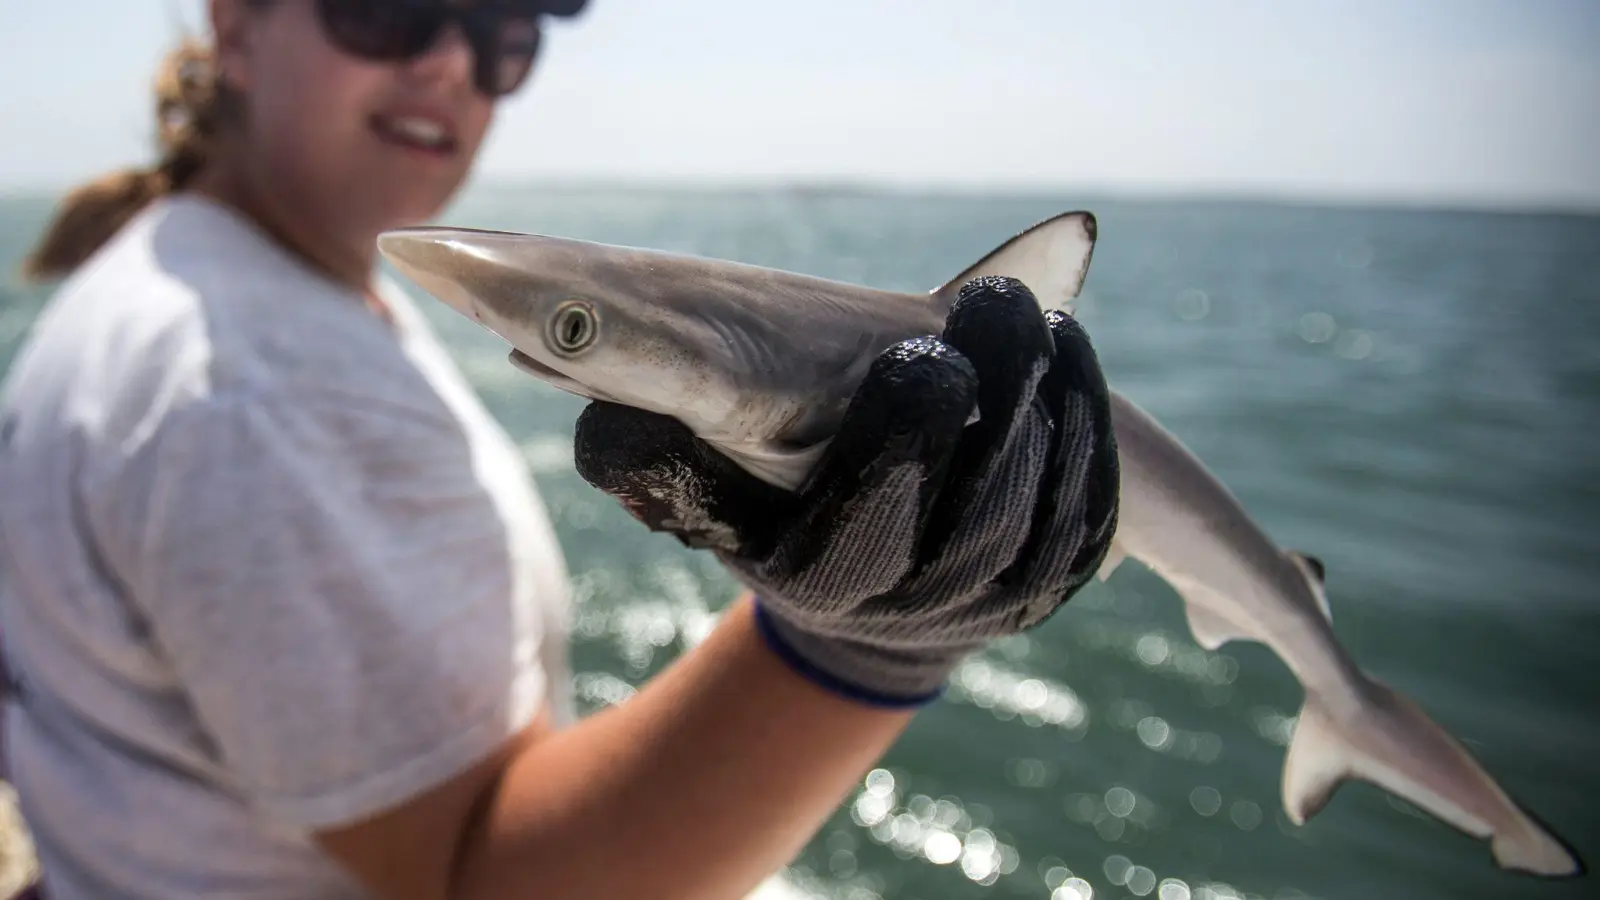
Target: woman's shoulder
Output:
[
  {"x": 182, "y": 264},
  {"x": 263, "y": 313},
  {"x": 190, "y": 307}
]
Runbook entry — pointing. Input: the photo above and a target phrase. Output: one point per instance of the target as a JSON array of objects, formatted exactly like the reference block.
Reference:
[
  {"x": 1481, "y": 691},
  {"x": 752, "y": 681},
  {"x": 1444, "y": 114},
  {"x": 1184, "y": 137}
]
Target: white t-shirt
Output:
[{"x": 267, "y": 566}]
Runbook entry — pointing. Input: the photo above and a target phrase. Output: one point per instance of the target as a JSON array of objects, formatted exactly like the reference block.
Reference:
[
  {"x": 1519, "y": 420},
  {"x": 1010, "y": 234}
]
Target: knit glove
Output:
[{"x": 917, "y": 538}]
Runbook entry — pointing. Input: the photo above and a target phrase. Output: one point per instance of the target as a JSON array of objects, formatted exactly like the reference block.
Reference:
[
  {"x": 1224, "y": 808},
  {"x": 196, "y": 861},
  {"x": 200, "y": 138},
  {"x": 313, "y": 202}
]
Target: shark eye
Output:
[{"x": 573, "y": 328}]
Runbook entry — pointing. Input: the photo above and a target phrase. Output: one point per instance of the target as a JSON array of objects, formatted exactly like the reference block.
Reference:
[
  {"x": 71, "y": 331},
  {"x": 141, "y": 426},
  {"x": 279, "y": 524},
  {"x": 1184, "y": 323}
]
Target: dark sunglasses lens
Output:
[
  {"x": 381, "y": 29},
  {"x": 519, "y": 47},
  {"x": 505, "y": 48}
]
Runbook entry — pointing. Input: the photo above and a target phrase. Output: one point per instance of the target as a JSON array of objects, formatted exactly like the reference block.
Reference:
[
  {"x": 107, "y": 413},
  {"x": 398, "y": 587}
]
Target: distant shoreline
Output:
[{"x": 1085, "y": 196}]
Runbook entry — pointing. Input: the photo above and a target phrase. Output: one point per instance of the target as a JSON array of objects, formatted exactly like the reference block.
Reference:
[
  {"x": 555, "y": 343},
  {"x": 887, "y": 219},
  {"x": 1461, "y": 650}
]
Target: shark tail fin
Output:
[
  {"x": 1391, "y": 743},
  {"x": 1050, "y": 257}
]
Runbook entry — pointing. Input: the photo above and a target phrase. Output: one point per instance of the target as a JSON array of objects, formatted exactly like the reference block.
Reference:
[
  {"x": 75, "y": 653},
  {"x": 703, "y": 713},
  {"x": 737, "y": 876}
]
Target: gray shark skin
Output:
[{"x": 761, "y": 363}]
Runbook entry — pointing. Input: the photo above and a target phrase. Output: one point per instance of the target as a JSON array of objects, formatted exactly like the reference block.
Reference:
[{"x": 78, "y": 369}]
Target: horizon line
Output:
[
  {"x": 1584, "y": 207},
  {"x": 869, "y": 186}
]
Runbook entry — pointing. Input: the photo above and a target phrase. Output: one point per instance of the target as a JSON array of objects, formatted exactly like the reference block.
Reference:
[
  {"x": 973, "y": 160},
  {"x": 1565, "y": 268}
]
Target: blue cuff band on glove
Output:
[{"x": 828, "y": 681}]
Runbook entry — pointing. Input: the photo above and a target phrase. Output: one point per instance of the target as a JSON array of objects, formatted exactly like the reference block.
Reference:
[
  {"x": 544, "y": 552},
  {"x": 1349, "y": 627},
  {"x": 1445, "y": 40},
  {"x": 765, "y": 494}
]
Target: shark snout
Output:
[
  {"x": 444, "y": 262},
  {"x": 491, "y": 277}
]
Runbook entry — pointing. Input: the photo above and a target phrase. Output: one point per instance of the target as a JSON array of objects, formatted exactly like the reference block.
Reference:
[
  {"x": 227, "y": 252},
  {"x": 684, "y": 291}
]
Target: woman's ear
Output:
[{"x": 230, "y": 21}]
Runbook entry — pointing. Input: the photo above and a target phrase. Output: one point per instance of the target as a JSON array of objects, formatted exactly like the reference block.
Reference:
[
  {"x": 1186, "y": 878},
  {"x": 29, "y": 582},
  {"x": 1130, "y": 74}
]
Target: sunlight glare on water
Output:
[{"x": 1407, "y": 394}]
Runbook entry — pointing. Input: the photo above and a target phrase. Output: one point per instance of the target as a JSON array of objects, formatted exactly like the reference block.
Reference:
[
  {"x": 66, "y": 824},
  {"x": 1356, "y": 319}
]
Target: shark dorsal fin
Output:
[{"x": 1050, "y": 257}]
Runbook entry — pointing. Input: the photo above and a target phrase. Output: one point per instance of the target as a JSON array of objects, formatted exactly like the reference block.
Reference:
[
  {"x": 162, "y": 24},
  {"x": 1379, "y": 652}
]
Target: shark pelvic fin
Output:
[{"x": 1210, "y": 629}]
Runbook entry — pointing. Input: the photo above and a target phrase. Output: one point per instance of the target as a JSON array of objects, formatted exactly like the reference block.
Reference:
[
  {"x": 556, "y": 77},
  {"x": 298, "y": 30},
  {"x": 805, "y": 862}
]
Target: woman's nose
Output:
[{"x": 448, "y": 58}]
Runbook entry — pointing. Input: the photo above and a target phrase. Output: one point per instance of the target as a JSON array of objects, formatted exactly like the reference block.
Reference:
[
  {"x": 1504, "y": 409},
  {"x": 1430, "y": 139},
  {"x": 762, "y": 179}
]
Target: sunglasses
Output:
[{"x": 504, "y": 34}]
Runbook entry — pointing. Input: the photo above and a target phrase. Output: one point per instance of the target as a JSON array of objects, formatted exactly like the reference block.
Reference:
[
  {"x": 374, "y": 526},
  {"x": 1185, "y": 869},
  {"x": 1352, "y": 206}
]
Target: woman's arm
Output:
[
  {"x": 916, "y": 540},
  {"x": 709, "y": 779}
]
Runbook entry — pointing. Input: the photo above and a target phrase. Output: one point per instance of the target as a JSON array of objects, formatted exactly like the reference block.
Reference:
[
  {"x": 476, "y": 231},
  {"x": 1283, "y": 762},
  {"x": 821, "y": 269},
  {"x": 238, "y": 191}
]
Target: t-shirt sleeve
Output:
[{"x": 333, "y": 586}]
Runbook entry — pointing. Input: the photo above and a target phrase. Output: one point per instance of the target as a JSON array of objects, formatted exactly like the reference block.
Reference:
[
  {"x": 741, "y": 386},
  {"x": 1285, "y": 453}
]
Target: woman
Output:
[{"x": 284, "y": 612}]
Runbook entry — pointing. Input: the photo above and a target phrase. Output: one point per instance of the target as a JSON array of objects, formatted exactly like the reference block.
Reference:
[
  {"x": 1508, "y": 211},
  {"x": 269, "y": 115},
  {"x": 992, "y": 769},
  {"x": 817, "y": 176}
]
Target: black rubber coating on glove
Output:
[{"x": 918, "y": 538}]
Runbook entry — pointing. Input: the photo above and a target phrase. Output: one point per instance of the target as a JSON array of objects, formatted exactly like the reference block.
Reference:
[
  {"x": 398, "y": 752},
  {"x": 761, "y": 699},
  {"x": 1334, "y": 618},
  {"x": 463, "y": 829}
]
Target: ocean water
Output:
[{"x": 1409, "y": 395}]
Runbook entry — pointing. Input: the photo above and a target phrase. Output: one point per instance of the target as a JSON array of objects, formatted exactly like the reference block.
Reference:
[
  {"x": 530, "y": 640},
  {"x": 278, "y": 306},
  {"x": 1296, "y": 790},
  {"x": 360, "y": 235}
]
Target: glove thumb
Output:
[{"x": 669, "y": 479}]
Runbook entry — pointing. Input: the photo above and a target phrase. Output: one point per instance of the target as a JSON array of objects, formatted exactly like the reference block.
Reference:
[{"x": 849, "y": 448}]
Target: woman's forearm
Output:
[{"x": 710, "y": 778}]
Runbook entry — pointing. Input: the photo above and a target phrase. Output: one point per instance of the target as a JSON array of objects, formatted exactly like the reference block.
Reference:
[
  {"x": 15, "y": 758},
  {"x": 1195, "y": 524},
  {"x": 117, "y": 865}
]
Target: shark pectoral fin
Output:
[
  {"x": 1388, "y": 741},
  {"x": 1051, "y": 258},
  {"x": 783, "y": 467},
  {"x": 1314, "y": 572},
  {"x": 1116, "y": 554}
]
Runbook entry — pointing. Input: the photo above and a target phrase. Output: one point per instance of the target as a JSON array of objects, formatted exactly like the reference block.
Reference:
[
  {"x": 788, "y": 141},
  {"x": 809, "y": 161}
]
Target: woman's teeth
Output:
[{"x": 425, "y": 133}]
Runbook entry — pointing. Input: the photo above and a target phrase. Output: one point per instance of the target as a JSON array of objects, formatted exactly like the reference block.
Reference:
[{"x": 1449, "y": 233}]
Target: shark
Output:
[{"x": 761, "y": 363}]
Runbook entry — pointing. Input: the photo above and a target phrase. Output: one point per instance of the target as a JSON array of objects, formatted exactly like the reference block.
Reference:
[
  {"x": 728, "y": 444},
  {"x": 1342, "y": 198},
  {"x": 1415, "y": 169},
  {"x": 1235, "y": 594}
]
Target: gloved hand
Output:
[{"x": 918, "y": 538}]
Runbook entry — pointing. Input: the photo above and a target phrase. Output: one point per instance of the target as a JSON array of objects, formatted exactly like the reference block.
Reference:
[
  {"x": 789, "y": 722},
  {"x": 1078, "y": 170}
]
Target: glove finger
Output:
[
  {"x": 1077, "y": 512},
  {"x": 984, "y": 511},
  {"x": 672, "y": 481},
  {"x": 864, "y": 507}
]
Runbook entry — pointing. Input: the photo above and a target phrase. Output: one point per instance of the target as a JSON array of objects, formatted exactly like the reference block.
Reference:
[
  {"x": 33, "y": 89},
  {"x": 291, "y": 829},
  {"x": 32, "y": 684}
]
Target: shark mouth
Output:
[{"x": 550, "y": 376}]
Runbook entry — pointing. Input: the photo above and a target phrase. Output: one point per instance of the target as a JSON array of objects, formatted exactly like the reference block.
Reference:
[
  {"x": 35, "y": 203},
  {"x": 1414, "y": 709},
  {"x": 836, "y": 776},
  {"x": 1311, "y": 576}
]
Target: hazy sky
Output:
[{"x": 1462, "y": 99}]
